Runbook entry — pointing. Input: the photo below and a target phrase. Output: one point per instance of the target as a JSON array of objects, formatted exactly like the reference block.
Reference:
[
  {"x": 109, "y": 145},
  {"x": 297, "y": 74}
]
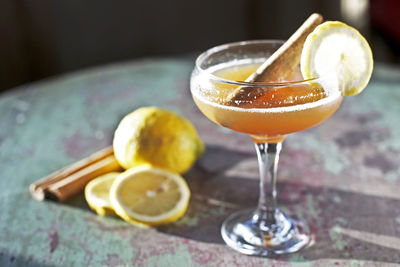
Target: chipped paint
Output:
[
  {"x": 328, "y": 153},
  {"x": 341, "y": 177},
  {"x": 336, "y": 236}
]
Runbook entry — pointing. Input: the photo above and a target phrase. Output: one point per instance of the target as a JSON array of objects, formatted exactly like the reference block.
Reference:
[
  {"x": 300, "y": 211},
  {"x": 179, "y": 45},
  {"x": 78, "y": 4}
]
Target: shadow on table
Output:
[
  {"x": 216, "y": 158},
  {"x": 345, "y": 225},
  {"x": 78, "y": 201},
  {"x": 8, "y": 259}
]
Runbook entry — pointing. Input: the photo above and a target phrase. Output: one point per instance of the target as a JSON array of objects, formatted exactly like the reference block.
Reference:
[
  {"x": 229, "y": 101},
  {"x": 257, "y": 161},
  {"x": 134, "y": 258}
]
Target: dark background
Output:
[{"x": 41, "y": 38}]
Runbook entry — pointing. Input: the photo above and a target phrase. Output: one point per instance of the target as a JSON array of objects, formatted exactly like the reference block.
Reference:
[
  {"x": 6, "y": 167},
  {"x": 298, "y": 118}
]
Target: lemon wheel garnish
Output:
[
  {"x": 148, "y": 195},
  {"x": 334, "y": 47},
  {"x": 97, "y": 193}
]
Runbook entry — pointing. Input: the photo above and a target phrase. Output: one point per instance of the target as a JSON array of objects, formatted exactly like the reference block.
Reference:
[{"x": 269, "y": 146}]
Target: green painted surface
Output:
[{"x": 342, "y": 177}]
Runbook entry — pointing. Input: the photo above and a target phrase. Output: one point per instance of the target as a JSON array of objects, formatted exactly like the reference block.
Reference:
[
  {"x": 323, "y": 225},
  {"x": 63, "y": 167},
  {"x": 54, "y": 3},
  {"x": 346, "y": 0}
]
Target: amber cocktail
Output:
[{"x": 279, "y": 108}]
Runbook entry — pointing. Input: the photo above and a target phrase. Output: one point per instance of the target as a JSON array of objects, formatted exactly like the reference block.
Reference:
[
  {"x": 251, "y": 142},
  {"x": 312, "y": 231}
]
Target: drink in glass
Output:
[{"x": 277, "y": 108}]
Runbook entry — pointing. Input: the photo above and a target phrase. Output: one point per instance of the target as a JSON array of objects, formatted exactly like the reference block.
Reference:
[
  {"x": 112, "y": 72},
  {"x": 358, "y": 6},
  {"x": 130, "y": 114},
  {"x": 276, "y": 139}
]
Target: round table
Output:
[{"x": 342, "y": 177}]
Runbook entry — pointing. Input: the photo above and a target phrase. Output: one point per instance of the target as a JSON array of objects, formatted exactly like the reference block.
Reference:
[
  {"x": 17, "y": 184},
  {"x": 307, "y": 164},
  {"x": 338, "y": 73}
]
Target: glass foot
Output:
[{"x": 261, "y": 233}]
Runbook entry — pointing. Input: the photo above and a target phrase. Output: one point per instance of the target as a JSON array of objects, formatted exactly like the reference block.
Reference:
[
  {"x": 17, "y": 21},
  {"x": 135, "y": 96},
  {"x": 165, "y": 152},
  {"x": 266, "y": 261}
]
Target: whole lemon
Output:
[{"x": 155, "y": 136}]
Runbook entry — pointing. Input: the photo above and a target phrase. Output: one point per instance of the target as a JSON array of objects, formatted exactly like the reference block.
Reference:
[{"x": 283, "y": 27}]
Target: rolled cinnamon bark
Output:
[{"x": 278, "y": 65}]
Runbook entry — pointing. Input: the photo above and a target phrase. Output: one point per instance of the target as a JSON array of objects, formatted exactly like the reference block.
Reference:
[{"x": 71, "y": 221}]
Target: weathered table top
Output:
[{"x": 342, "y": 177}]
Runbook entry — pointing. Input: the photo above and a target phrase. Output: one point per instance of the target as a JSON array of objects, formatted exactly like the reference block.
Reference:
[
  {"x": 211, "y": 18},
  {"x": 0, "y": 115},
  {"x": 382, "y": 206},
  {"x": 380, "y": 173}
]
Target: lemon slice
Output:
[
  {"x": 149, "y": 195},
  {"x": 97, "y": 193},
  {"x": 336, "y": 47}
]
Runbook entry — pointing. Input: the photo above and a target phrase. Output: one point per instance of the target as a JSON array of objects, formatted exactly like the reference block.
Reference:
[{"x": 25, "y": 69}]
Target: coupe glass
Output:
[{"x": 264, "y": 230}]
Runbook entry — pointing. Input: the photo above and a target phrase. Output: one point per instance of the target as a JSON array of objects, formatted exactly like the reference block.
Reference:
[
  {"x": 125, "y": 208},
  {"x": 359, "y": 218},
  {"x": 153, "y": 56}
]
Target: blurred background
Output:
[{"x": 43, "y": 38}]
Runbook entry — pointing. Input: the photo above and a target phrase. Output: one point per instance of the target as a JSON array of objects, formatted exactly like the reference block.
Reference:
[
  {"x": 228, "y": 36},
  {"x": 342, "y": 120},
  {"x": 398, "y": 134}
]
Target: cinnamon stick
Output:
[
  {"x": 71, "y": 179},
  {"x": 278, "y": 65}
]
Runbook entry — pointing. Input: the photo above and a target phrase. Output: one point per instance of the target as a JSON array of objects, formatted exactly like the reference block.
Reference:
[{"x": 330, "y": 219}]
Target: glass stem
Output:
[{"x": 268, "y": 158}]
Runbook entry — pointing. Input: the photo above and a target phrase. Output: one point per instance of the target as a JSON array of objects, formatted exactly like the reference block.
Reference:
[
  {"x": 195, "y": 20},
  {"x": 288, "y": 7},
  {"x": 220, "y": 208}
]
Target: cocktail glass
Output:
[{"x": 280, "y": 108}]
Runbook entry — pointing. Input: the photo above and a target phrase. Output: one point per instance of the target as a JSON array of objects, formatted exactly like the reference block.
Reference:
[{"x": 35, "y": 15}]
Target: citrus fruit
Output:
[
  {"x": 158, "y": 137},
  {"x": 334, "y": 47},
  {"x": 97, "y": 193},
  {"x": 149, "y": 195}
]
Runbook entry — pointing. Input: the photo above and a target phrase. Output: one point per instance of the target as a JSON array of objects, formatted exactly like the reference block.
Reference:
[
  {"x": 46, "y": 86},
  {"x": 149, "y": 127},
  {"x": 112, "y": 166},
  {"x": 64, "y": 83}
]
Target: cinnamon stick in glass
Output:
[{"x": 278, "y": 65}]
